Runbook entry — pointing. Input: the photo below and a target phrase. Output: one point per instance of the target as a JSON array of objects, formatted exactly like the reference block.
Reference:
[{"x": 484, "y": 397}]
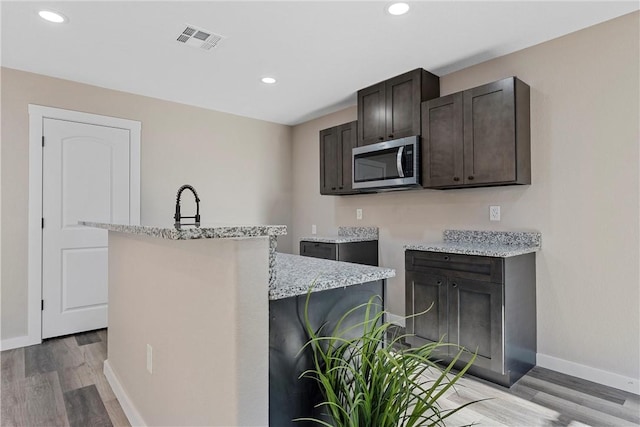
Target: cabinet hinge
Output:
[
  {"x": 42, "y": 223},
  {"x": 41, "y": 305},
  {"x": 43, "y": 140}
]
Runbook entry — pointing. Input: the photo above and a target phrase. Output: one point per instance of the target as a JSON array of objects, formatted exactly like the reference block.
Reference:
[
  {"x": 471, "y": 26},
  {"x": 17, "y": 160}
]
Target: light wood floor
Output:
[
  {"x": 542, "y": 398},
  {"x": 60, "y": 383}
]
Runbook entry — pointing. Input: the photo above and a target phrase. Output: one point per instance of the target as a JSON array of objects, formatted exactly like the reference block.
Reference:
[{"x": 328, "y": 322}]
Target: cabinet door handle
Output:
[
  {"x": 381, "y": 138},
  {"x": 470, "y": 177},
  {"x": 456, "y": 178},
  {"x": 333, "y": 188},
  {"x": 439, "y": 282},
  {"x": 446, "y": 258},
  {"x": 391, "y": 136},
  {"x": 455, "y": 285},
  {"x": 340, "y": 188}
]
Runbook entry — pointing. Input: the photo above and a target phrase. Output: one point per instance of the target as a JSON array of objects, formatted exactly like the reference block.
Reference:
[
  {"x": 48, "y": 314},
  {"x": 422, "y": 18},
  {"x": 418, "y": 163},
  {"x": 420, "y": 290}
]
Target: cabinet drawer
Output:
[
  {"x": 486, "y": 269},
  {"x": 319, "y": 250}
]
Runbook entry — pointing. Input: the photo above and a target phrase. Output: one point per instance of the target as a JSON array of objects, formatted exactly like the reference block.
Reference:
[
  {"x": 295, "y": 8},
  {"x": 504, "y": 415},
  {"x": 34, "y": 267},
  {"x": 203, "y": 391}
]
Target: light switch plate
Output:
[
  {"x": 314, "y": 230},
  {"x": 358, "y": 213},
  {"x": 494, "y": 213}
]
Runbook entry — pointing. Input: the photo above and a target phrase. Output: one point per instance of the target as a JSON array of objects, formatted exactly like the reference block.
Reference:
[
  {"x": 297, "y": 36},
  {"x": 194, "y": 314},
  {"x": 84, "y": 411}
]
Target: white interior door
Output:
[{"x": 86, "y": 174}]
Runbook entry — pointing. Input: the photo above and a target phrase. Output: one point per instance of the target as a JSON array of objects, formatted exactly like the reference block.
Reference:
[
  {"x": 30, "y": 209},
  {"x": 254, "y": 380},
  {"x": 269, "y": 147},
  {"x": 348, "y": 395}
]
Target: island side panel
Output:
[
  {"x": 253, "y": 266},
  {"x": 290, "y": 396},
  {"x": 185, "y": 298}
]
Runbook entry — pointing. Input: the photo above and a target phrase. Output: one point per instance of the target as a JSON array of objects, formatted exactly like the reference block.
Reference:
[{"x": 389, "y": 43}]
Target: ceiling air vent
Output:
[{"x": 198, "y": 37}]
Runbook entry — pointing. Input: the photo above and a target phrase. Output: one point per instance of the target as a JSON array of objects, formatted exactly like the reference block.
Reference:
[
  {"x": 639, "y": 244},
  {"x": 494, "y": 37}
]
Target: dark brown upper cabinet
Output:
[
  {"x": 477, "y": 138},
  {"x": 391, "y": 109},
  {"x": 336, "y": 144}
]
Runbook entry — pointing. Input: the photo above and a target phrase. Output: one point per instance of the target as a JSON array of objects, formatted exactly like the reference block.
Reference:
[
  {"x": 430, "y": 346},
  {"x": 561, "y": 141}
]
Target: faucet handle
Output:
[{"x": 178, "y": 216}]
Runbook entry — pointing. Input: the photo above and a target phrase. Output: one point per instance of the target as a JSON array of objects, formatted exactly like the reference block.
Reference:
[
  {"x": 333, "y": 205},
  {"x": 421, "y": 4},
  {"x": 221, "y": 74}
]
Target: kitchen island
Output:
[
  {"x": 190, "y": 312},
  {"x": 189, "y": 323},
  {"x": 336, "y": 287}
]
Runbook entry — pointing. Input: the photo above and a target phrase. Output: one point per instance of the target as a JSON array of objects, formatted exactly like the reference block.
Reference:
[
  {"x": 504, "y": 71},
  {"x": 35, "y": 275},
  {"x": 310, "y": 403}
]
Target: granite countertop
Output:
[
  {"x": 336, "y": 239},
  {"x": 295, "y": 274},
  {"x": 191, "y": 232},
  {"x": 347, "y": 235},
  {"x": 500, "y": 244}
]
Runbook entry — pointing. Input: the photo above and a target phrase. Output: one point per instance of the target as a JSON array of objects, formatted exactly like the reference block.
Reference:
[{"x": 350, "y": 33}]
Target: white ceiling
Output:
[{"x": 321, "y": 52}]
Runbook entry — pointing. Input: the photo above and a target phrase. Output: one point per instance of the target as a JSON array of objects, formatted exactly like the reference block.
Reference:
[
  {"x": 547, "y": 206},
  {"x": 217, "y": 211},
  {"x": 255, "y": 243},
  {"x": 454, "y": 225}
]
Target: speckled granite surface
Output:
[
  {"x": 335, "y": 239},
  {"x": 501, "y": 244},
  {"x": 273, "y": 244},
  {"x": 523, "y": 238},
  {"x": 204, "y": 232},
  {"x": 347, "y": 235},
  {"x": 370, "y": 233},
  {"x": 295, "y": 274}
]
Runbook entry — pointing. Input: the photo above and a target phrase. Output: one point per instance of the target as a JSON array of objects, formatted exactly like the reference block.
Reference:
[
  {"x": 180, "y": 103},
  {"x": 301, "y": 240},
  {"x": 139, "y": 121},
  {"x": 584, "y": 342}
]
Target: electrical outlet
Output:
[
  {"x": 314, "y": 230},
  {"x": 149, "y": 359},
  {"x": 358, "y": 213},
  {"x": 494, "y": 213}
]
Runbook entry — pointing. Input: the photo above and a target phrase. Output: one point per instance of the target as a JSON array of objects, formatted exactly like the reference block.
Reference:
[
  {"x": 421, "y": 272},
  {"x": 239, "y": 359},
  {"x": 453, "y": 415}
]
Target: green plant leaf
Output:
[{"x": 367, "y": 384}]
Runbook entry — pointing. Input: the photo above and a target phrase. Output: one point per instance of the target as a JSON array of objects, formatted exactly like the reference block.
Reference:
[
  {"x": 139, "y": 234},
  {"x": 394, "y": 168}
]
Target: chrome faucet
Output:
[{"x": 177, "y": 215}]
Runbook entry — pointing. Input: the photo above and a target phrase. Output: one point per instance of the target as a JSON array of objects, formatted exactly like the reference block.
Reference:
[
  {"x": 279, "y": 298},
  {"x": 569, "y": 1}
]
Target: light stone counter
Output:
[
  {"x": 203, "y": 232},
  {"x": 296, "y": 274},
  {"x": 336, "y": 239},
  {"x": 484, "y": 243},
  {"x": 347, "y": 235},
  {"x": 191, "y": 232}
]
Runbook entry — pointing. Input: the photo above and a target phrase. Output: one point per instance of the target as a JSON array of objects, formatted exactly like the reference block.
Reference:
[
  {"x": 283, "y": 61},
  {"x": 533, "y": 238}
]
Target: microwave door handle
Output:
[{"x": 399, "y": 162}]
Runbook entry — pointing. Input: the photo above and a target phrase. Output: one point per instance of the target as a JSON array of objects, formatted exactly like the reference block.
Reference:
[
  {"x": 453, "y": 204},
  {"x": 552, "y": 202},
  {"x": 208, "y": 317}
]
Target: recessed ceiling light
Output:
[
  {"x": 51, "y": 16},
  {"x": 268, "y": 80},
  {"x": 398, "y": 8}
]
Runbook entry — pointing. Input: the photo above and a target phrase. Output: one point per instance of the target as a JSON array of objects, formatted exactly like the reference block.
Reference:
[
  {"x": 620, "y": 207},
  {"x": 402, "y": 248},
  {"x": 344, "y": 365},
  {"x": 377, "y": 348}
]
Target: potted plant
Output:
[{"x": 366, "y": 383}]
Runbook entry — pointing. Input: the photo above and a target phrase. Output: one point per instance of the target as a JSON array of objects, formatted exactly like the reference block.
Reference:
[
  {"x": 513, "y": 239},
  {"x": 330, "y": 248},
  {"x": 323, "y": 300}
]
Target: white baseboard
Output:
[
  {"x": 631, "y": 385},
  {"x": 134, "y": 417},
  {"x": 17, "y": 342},
  {"x": 395, "y": 319}
]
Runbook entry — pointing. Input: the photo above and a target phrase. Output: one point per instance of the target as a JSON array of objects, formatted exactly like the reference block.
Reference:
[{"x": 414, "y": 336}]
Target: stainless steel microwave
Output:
[{"x": 387, "y": 165}]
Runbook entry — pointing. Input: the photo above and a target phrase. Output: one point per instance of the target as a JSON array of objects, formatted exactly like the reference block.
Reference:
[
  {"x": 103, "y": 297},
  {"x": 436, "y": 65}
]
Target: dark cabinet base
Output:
[
  {"x": 289, "y": 396},
  {"x": 355, "y": 252},
  {"x": 509, "y": 378},
  {"x": 484, "y": 304}
]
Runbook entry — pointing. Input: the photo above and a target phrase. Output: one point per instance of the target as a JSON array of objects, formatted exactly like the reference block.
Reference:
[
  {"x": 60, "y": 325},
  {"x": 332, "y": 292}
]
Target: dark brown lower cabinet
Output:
[
  {"x": 356, "y": 252},
  {"x": 484, "y": 304}
]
